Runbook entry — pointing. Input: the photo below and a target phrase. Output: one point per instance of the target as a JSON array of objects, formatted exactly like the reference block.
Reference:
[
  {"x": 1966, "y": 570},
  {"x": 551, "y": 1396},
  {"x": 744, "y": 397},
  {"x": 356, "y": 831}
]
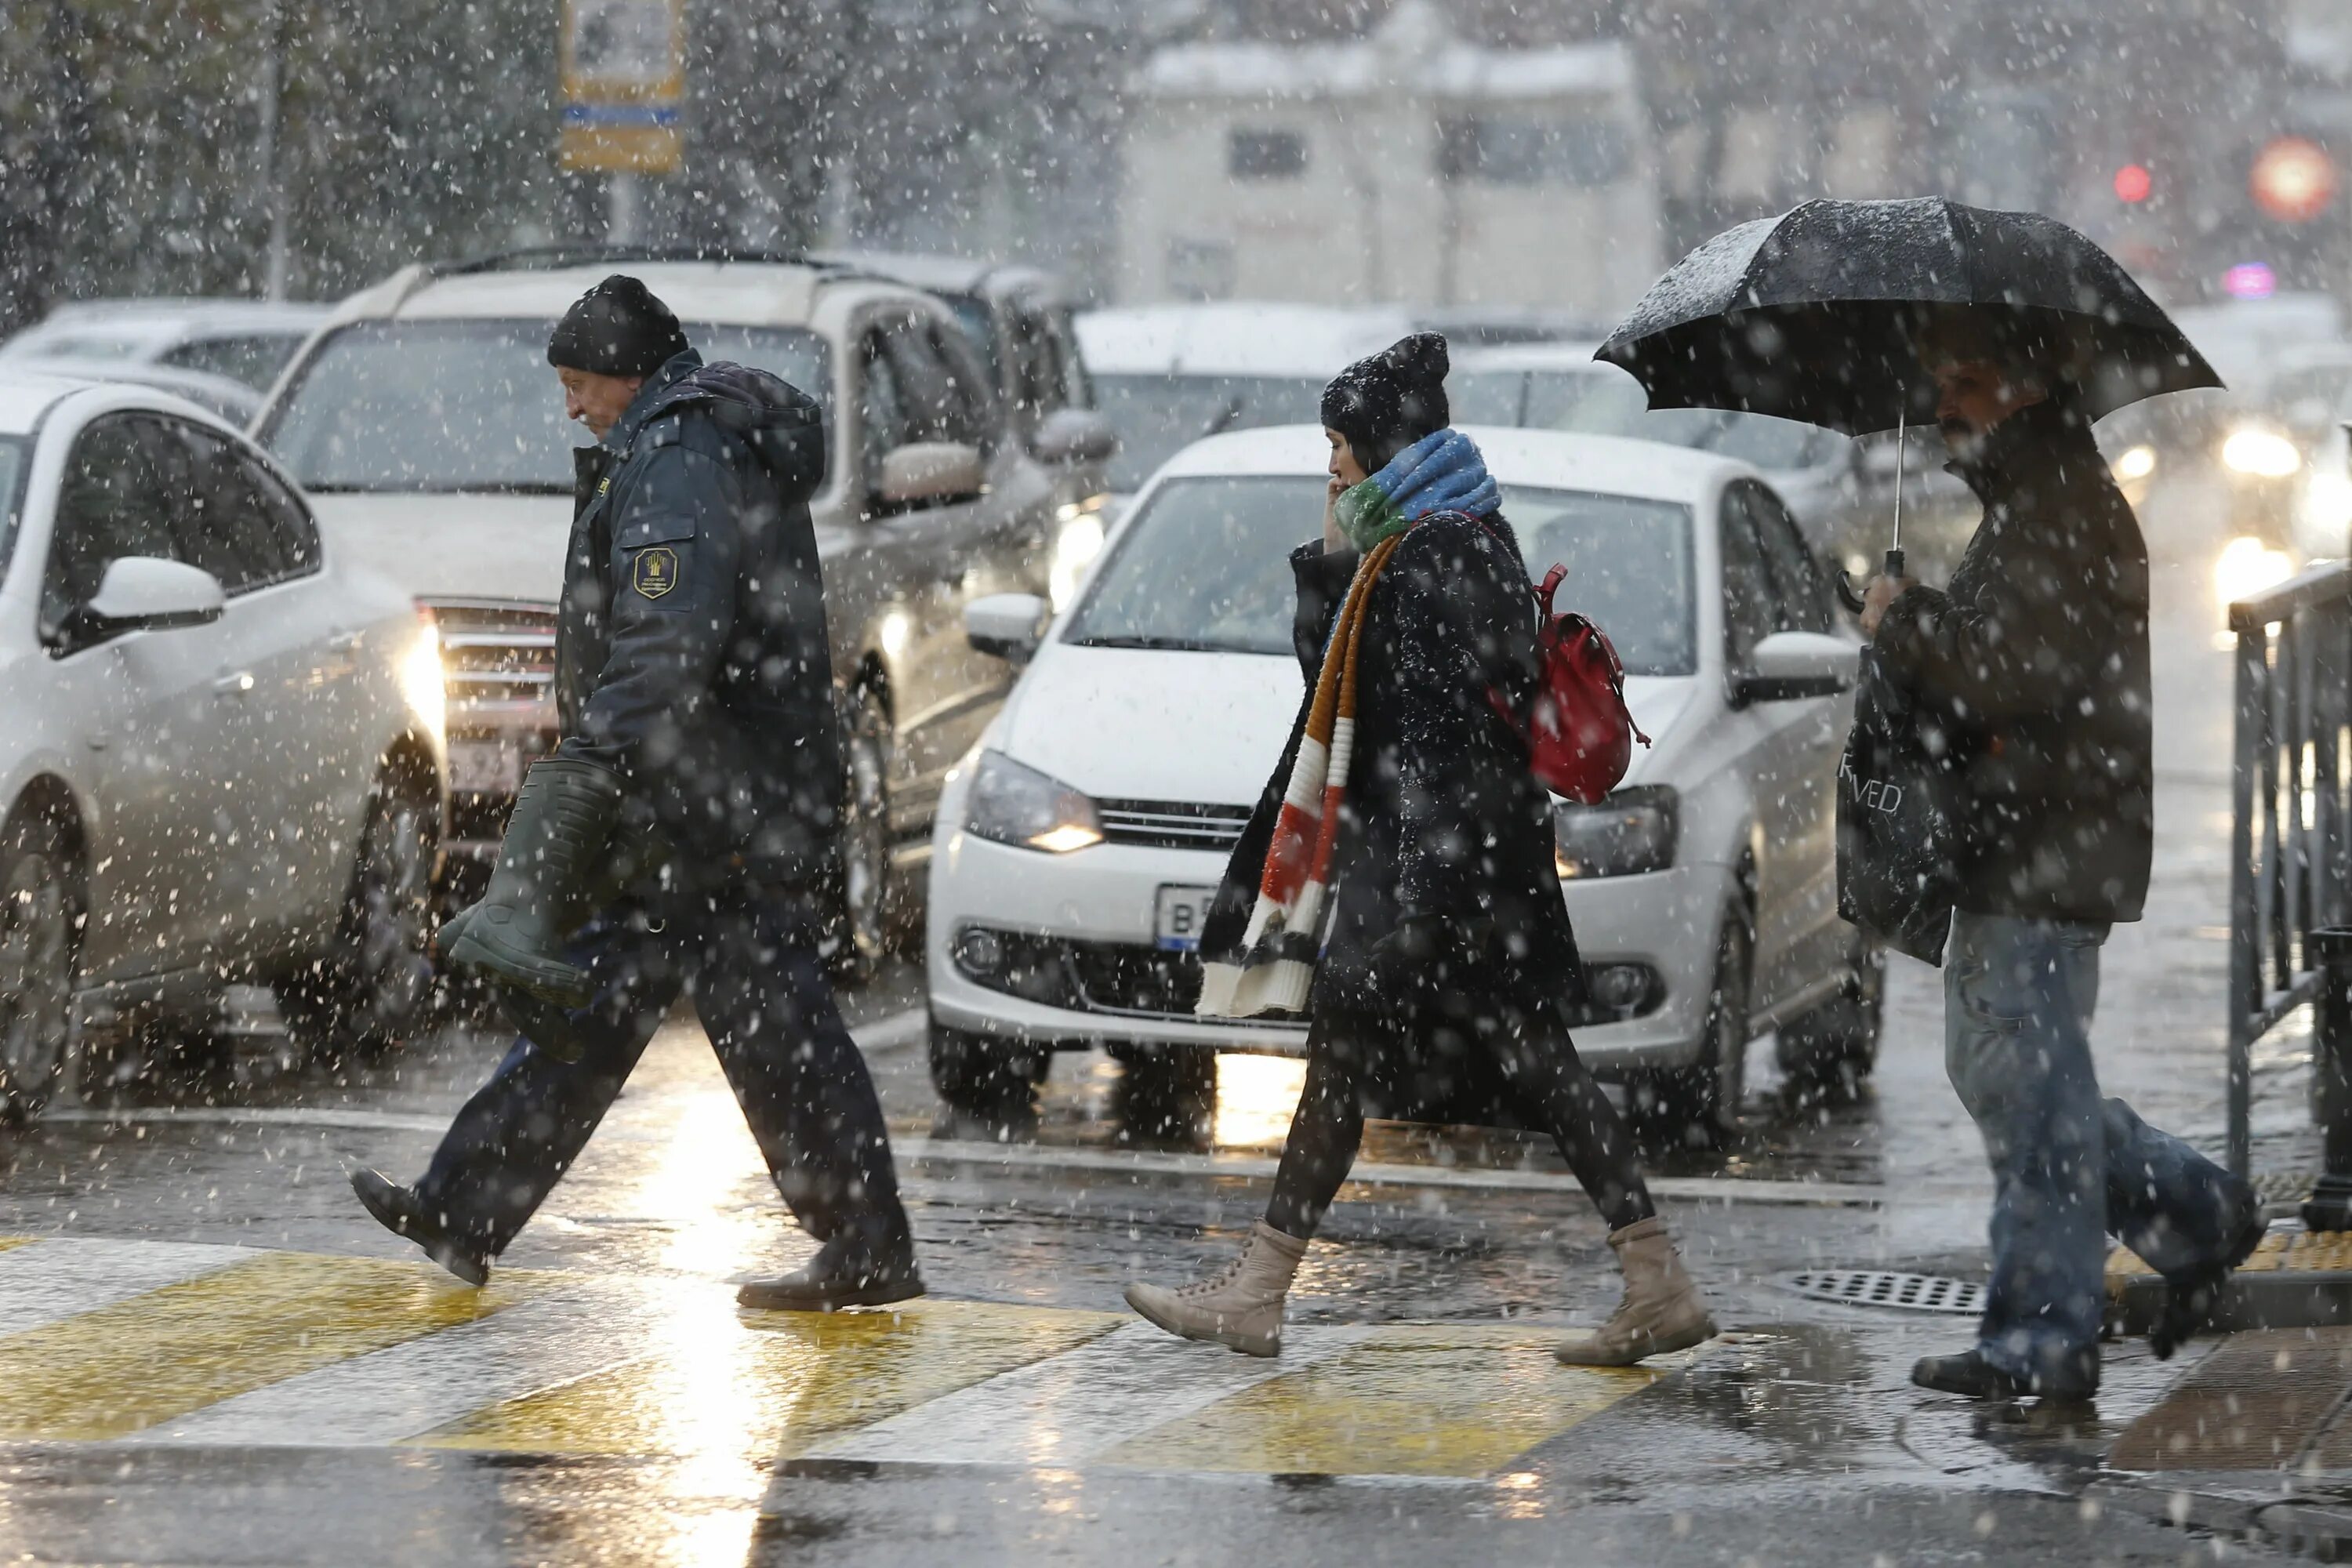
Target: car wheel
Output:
[
  {"x": 1698, "y": 1105},
  {"x": 374, "y": 989},
  {"x": 1830, "y": 1050},
  {"x": 864, "y": 897},
  {"x": 40, "y": 937},
  {"x": 1167, "y": 1094},
  {"x": 981, "y": 1076}
]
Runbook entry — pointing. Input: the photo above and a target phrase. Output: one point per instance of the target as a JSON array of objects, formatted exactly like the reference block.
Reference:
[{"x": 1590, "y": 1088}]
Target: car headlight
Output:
[
  {"x": 2246, "y": 567},
  {"x": 421, "y": 681},
  {"x": 2135, "y": 463},
  {"x": 1631, "y": 832},
  {"x": 2265, "y": 454},
  {"x": 1019, "y": 805},
  {"x": 1079, "y": 539}
]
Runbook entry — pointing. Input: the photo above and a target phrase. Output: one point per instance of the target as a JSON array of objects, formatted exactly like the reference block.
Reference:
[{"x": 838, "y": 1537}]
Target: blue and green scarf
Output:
[{"x": 1440, "y": 472}]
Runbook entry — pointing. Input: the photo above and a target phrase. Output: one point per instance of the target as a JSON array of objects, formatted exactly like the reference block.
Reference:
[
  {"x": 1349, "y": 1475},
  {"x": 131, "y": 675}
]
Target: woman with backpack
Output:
[{"x": 1396, "y": 882}]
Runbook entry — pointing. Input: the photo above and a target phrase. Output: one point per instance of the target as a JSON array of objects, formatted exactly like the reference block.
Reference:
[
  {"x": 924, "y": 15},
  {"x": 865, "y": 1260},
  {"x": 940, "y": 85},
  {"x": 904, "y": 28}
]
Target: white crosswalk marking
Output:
[
  {"x": 1060, "y": 1412},
  {"x": 409, "y": 1389},
  {"x": 50, "y": 1280}
]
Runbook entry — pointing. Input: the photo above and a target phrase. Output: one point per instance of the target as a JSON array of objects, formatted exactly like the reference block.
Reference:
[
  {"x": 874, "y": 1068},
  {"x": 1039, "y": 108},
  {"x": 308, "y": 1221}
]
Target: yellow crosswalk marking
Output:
[
  {"x": 8, "y": 1242},
  {"x": 1410, "y": 1400},
  {"x": 125, "y": 1367},
  {"x": 773, "y": 1384}
]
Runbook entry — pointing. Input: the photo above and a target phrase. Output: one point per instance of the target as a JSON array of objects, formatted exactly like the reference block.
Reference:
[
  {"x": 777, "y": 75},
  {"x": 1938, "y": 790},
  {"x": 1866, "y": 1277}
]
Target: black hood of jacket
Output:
[{"x": 784, "y": 425}]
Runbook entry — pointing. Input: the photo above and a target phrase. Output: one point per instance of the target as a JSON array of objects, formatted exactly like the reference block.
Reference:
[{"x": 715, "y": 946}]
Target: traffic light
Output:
[{"x": 2134, "y": 183}]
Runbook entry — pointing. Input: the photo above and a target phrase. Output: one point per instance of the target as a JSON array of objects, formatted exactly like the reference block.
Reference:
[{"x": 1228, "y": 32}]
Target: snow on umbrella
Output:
[{"x": 1811, "y": 315}]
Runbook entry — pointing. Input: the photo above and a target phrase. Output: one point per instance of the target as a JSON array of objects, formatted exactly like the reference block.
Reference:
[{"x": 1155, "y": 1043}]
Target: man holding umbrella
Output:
[{"x": 2026, "y": 682}]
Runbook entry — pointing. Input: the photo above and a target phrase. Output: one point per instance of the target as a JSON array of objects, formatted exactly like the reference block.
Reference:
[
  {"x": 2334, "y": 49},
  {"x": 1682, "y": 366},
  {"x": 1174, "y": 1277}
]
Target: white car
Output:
[
  {"x": 248, "y": 340},
  {"x": 1165, "y": 375},
  {"x": 1078, "y": 846},
  {"x": 220, "y": 748}
]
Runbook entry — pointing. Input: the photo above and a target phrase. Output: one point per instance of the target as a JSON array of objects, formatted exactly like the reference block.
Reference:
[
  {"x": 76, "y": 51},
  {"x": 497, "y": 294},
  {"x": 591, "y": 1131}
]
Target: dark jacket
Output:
[
  {"x": 2037, "y": 654},
  {"x": 1444, "y": 886},
  {"x": 691, "y": 655}
]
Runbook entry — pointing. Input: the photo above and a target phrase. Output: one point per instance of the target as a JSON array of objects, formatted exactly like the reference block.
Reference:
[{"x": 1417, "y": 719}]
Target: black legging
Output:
[{"x": 1540, "y": 1068}]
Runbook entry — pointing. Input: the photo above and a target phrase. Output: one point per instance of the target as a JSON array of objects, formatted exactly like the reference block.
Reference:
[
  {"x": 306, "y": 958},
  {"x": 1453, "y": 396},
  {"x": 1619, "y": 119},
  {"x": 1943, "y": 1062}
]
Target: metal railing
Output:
[{"x": 2290, "y": 838}]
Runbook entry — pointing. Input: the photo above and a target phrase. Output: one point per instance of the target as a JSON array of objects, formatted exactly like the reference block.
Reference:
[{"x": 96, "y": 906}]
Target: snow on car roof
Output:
[
  {"x": 734, "y": 294},
  {"x": 1235, "y": 338},
  {"x": 27, "y": 394},
  {"x": 1612, "y": 465}
]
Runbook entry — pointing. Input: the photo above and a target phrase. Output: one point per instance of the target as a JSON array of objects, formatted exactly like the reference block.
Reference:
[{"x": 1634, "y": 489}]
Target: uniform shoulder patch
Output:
[{"x": 653, "y": 572}]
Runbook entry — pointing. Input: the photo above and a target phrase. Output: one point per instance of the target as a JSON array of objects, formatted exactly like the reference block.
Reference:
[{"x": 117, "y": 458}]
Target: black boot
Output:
[
  {"x": 1972, "y": 1376},
  {"x": 400, "y": 1211},
  {"x": 2189, "y": 1297},
  {"x": 552, "y": 858},
  {"x": 844, "y": 1273}
]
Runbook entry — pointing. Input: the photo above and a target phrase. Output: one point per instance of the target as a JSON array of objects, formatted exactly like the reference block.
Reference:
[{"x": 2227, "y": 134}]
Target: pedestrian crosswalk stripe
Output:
[
  {"x": 48, "y": 1280},
  {"x": 158, "y": 1342},
  {"x": 1434, "y": 1399},
  {"x": 147, "y": 1358},
  {"x": 778, "y": 1383}
]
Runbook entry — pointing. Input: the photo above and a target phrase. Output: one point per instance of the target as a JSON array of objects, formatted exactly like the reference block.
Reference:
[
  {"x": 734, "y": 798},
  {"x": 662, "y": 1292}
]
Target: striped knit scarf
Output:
[{"x": 1279, "y": 948}]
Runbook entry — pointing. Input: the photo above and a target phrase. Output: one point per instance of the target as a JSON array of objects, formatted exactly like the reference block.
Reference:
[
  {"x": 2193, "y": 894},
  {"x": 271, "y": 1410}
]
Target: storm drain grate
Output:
[{"x": 1887, "y": 1287}]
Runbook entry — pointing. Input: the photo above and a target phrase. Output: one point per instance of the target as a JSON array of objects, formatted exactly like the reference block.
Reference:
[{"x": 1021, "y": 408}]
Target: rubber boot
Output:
[
  {"x": 552, "y": 859},
  {"x": 1660, "y": 1310},
  {"x": 1240, "y": 1308}
]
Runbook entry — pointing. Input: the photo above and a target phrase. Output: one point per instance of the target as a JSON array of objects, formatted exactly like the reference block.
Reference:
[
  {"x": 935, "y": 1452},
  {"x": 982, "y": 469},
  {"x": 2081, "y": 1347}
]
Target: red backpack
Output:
[{"x": 1579, "y": 731}]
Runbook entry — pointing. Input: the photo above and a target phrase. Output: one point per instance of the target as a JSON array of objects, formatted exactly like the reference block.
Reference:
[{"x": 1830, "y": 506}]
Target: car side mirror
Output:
[
  {"x": 924, "y": 471},
  {"x": 1070, "y": 438},
  {"x": 1005, "y": 625},
  {"x": 145, "y": 593},
  {"x": 1789, "y": 665}
]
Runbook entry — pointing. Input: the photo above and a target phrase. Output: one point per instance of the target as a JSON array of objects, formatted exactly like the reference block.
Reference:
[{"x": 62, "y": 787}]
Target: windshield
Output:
[
  {"x": 470, "y": 404},
  {"x": 12, "y": 468},
  {"x": 1158, "y": 416},
  {"x": 1605, "y": 401},
  {"x": 1205, "y": 567}
]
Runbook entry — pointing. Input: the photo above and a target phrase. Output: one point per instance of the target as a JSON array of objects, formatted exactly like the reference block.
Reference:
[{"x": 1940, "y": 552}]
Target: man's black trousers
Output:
[{"x": 749, "y": 961}]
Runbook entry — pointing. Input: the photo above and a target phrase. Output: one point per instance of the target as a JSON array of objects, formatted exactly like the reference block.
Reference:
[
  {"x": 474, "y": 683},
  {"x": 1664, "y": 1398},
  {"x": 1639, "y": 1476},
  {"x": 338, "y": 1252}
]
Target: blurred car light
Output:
[
  {"x": 2246, "y": 567},
  {"x": 2261, "y": 452},
  {"x": 423, "y": 681},
  {"x": 2135, "y": 463},
  {"x": 1019, "y": 805},
  {"x": 1631, "y": 832}
]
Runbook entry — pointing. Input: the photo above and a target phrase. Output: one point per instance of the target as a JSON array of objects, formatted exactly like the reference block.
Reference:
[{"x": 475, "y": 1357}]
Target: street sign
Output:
[{"x": 624, "y": 77}]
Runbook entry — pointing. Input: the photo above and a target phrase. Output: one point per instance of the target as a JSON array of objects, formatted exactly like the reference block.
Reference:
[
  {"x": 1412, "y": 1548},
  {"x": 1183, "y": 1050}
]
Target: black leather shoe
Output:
[
  {"x": 400, "y": 1211},
  {"x": 835, "y": 1279},
  {"x": 1973, "y": 1377},
  {"x": 2189, "y": 1297}
]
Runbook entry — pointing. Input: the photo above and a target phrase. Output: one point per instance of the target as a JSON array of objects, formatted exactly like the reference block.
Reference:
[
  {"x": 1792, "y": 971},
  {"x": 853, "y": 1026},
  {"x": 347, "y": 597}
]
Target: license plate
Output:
[
  {"x": 485, "y": 767},
  {"x": 1177, "y": 927}
]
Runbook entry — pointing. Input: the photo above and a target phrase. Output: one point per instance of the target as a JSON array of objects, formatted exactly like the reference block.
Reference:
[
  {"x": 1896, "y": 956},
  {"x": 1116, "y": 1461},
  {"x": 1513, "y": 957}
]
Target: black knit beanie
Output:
[
  {"x": 1384, "y": 404},
  {"x": 617, "y": 328}
]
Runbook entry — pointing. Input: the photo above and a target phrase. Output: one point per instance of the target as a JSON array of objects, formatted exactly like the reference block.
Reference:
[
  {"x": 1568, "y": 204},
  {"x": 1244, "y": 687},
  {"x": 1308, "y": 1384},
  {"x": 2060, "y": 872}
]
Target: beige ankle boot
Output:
[
  {"x": 1661, "y": 1311},
  {"x": 1240, "y": 1308}
]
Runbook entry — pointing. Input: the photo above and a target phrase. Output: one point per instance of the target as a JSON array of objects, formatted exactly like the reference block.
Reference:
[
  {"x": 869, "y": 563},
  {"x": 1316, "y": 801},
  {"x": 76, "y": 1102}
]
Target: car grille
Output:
[
  {"x": 497, "y": 659},
  {"x": 1172, "y": 825}
]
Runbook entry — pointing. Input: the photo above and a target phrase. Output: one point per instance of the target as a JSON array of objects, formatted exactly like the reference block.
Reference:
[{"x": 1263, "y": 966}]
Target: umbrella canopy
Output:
[{"x": 1812, "y": 315}]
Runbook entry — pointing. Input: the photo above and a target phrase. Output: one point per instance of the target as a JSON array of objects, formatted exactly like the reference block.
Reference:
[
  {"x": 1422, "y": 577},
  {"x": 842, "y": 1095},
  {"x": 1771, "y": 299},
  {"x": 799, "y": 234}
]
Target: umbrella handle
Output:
[
  {"x": 1894, "y": 565},
  {"x": 1848, "y": 594}
]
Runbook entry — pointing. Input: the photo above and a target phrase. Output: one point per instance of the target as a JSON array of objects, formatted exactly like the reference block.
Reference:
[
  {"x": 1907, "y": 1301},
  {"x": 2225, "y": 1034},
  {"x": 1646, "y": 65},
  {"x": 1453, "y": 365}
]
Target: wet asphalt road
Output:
[{"x": 324, "y": 1399}]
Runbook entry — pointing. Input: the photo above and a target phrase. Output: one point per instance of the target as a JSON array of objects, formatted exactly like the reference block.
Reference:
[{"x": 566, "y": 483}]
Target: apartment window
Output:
[{"x": 1265, "y": 154}]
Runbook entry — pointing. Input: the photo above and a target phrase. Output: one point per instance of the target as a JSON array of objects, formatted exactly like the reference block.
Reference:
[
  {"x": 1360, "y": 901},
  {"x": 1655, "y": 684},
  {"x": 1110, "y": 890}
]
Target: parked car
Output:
[
  {"x": 1842, "y": 492},
  {"x": 245, "y": 339},
  {"x": 215, "y": 395},
  {"x": 220, "y": 748},
  {"x": 430, "y": 431},
  {"x": 1078, "y": 846},
  {"x": 1167, "y": 375},
  {"x": 1018, "y": 317}
]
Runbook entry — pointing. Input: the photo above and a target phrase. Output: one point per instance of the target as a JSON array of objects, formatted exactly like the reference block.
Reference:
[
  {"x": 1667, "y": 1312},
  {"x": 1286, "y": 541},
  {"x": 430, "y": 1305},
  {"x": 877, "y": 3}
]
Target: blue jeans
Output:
[{"x": 2067, "y": 1166}]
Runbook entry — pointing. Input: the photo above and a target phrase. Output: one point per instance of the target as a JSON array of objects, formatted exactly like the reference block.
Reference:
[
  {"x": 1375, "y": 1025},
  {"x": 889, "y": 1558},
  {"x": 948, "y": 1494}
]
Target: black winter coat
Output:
[
  {"x": 2038, "y": 656},
  {"x": 690, "y": 654},
  {"x": 1445, "y": 891}
]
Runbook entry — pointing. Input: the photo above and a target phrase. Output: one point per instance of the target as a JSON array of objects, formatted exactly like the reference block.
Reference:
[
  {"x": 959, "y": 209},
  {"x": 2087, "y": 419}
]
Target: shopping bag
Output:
[{"x": 1902, "y": 818}]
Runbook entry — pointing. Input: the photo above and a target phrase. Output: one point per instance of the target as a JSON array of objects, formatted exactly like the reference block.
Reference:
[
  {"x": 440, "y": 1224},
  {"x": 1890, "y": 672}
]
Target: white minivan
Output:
[{"x": 1078, "y": 845}]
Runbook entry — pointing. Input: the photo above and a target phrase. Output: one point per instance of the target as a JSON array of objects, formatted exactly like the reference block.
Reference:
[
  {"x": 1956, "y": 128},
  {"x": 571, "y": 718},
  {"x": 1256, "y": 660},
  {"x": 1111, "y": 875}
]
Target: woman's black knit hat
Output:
[
  {"x": 617, "y": 328},
  {"x": 1384, "y": 404}
]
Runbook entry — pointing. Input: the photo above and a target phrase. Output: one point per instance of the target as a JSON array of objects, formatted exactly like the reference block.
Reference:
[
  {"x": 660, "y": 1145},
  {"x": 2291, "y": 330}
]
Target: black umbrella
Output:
[{"x": 1811, "y": 315}]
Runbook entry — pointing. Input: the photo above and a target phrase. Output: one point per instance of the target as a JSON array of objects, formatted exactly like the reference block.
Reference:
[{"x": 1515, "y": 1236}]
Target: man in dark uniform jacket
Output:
[{"x": 675, "y": 839}]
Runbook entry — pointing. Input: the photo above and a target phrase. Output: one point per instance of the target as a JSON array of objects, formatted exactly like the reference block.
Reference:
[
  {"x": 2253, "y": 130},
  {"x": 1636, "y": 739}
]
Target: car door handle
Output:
[{"x": 235, "y": 685}]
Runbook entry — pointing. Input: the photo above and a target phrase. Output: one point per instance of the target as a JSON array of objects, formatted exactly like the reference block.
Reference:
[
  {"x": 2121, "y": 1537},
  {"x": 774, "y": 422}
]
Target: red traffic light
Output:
[{"x": 2134, "y": 182}]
